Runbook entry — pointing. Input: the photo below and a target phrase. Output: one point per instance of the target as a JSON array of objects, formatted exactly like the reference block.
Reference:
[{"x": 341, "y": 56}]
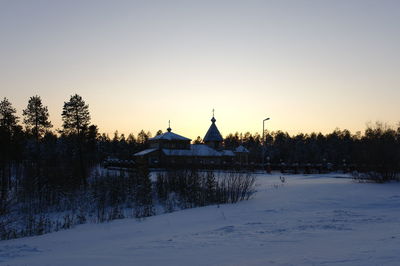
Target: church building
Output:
[{"x": 171, "y": 149}]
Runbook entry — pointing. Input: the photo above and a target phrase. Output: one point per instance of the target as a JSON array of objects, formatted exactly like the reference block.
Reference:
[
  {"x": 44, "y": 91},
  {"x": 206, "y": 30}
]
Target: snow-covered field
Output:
[{"x": 308, "y": 220}]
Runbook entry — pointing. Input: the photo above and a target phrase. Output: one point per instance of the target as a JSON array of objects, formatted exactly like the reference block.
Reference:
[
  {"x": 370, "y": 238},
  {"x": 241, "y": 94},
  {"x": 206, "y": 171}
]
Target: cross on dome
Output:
[
  {"x": 213, "y": 120},
  {"x": 169, "y": 126}
]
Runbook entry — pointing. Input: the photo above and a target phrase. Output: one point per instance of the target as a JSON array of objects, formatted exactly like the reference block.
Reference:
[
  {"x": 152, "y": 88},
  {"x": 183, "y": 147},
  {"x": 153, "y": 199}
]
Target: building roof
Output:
[
  {"x": 170, "y": 136},
  {"x": 203, "y": 150},
  {"x": 144, "y": 152},
  {"x": 242, "y": 149},
  {"x": 173, "y": 152},
  {"x": 213, "y": 133},
  {"x": 227, "y": 153},
  {"x": 198, "y": 150}
]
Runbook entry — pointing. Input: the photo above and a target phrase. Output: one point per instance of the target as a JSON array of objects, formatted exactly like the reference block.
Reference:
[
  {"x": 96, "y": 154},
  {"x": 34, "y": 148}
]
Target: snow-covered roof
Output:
[
  {"x": 213, "y": 133},
  {"x": 203, "y": 150},
  {"x": 198, "y": 150},
  {"x": 144, "y": 152},
  {"x": 173, "y": 152},
  {"x": 241, "y": 148},
  {"x": 227, "y": 153},
  {"x": 170, "y": 136}
]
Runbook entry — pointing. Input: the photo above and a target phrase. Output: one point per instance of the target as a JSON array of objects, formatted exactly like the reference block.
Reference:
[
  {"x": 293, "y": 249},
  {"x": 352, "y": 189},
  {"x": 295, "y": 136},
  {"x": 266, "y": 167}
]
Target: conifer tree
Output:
[
  {"x": 142, "y": 137},
  {"x": 9, "y": 145},
  {"x": 75, "y": 116},
  {"x": 131, "y": 139},
  {"x": 76, "y": 120},
  {"x": 198, "y": 140},
  {"x": 36, "y": 117},
  {"x": 8, "y": 119}
]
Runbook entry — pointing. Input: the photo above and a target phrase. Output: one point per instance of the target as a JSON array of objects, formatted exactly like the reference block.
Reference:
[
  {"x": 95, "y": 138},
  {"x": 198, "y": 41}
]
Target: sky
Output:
[{"x": 308, "y": 65}]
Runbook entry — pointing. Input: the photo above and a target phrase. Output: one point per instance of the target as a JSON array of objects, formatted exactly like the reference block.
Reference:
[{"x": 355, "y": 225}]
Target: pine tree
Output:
[
  {"x": 76, "y": 120},
  {"x": 142, "y": 139},
  {"x": 36, "y": 117},
  {"x": 131, "y": 139},
  {"x": 8, "y": 119},
  {"x": 198, "y": 140},
  {"x": 92, "y": 136},
  {"x": 9, "y": 146},
  {"x": 75, "y": 116}
]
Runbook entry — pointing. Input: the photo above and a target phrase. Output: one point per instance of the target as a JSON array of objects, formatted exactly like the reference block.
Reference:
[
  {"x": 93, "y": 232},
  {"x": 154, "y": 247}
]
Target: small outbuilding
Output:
[{"x": 242, "y": 155}]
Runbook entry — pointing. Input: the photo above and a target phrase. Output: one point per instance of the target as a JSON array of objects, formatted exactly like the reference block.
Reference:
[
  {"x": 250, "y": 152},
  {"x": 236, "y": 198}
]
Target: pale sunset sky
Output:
[{"x": 308, "y": 65}]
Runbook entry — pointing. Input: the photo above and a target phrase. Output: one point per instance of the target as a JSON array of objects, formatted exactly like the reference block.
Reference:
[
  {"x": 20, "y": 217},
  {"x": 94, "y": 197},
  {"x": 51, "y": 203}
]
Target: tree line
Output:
[
  {"x": 374, "y": 154},
  {"x": 78, "y": 145}
]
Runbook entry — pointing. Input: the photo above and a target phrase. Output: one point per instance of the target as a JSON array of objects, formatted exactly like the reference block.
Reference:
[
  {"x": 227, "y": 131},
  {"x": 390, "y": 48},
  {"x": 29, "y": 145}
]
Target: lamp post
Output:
[{"x": 263, "y": 139}]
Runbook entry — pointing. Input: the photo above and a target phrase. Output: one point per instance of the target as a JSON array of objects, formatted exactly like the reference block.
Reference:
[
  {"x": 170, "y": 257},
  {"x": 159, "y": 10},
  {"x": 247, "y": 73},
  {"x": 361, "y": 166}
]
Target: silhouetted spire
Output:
[
  {"x": 169, "y": 126},
  {"x": 213, "y": 120},
  {"x": 213, "y": 132}
]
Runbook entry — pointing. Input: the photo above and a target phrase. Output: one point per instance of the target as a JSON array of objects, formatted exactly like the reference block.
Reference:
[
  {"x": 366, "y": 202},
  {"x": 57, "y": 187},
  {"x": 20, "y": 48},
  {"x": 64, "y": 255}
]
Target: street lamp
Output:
[{"x": 263, "y": 139}]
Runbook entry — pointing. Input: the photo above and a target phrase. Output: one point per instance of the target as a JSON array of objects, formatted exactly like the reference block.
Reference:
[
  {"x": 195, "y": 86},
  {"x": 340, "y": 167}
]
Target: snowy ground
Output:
[{"x": 310, "y": 220}]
